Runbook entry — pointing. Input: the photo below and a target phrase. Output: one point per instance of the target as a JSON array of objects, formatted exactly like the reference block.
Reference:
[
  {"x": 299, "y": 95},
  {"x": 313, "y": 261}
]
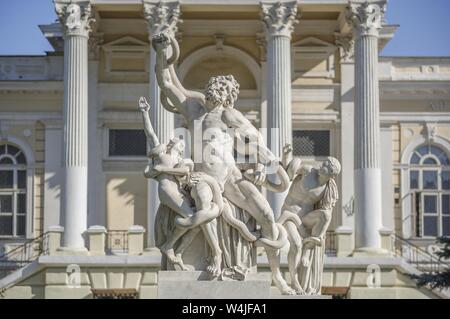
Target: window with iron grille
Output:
[
  {"x": 13, "y": 191},
  {"x": 127, "y": 142},
  {"x": 311, "y": 142}
]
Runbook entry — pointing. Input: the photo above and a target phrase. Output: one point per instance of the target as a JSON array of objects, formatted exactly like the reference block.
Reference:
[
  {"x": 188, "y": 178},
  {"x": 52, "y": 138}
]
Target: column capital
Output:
[
  {"x": 76, "y": 17},
  {"x": 346, "y": 44},
  {"x": 279, "y": 17},
  {"x": 366, "y": 17},
  {"x": 162, "y": 16}
]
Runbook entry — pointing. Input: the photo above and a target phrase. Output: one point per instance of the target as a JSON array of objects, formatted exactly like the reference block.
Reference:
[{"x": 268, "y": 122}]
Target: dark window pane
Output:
[
  {"x": 445, "y": 177},
  {"x": 430, "y": 180},
  {"x": 6, "y": 179},
  {"x": 127, "y": 143},
  {"x": 6, "y": 203},
  {"x": 21, "y": 158},
  {"x": 21, "y": 179},
  {"x": 12, "y": 150},
  {"x": 446, "y": 226},
  {"x": 6, "y": 226},
  {"x": 2, "y": 149},
  {"x": 422, "y": 150},
  {"x": 430, "y": 226},
  {"x": 430, "y": 204},
  {"x": 21, "y": 203},
  {"x": 21, "y": 222},
  {"x": 311, "y": 143},
  {"x": 415, "y": 159},
  {"x": 414, "y": 180},
  {"x": 446, "y": 204},
  {"x": 436, "y": 151},
  {"x": 430, "y": 161},
  {"x": 6, "y": 160}
]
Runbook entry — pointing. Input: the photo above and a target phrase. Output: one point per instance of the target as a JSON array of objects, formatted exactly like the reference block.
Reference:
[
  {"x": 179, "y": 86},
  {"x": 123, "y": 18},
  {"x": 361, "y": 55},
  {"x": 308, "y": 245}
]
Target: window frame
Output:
[
  {"x": 439, "y": 192},
  {"x": 15, "y": 167}
]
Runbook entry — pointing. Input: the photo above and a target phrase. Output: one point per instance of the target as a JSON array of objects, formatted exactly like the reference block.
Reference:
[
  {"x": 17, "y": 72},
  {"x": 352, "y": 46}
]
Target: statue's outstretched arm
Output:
[
  {"x": 160, "y": 43},
  {"x": 171, "y": 61},
  {"x": 152, "y": 139}
]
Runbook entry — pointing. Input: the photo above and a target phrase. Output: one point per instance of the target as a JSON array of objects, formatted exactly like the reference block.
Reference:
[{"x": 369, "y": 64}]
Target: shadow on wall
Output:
[{"x": 126, "y": 201}]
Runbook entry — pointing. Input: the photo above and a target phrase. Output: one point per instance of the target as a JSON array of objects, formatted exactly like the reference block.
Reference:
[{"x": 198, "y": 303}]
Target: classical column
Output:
[
  {"x": 279, "y": 18},
  {"x": 75, "y": 18},
  {"x": 366, "y": 18},
  {"x": 345, "y": 43},
  {"x": 162, "y": 16}
]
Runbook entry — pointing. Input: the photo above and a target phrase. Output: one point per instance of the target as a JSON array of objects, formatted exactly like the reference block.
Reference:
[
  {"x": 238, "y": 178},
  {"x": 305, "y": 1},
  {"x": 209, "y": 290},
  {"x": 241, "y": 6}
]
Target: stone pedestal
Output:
[{"x": 197, "y": 285}]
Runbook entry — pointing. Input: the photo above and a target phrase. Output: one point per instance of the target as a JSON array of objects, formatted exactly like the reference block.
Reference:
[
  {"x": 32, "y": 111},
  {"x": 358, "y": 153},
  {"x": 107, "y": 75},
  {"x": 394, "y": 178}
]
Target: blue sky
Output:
[{"x": 424, "y": 27}]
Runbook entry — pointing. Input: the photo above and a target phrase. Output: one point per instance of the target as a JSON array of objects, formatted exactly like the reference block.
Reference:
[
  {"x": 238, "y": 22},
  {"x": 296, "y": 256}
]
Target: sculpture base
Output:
[{"x": 198, "y": 285}]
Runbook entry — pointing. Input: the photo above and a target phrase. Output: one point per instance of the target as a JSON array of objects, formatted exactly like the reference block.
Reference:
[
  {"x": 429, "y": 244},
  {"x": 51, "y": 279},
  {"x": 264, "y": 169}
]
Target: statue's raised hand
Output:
[
  {"x": 160, "y": 42},
  {"x": 287, "y": 149},
  {"x": 143, "y": 105}
]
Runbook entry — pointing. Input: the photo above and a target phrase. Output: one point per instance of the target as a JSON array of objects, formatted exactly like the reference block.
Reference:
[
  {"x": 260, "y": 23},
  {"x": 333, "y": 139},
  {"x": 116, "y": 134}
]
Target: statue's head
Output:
[
  {"x": 221, "y": 90},
  {"x": 177, "y": 145},
  {"x": 330, "y": 168}
]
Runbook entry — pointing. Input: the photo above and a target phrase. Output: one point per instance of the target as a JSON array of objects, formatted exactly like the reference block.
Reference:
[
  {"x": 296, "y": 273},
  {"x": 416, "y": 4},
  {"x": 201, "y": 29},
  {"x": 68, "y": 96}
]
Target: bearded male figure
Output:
[{"x": 214, "y": 112}]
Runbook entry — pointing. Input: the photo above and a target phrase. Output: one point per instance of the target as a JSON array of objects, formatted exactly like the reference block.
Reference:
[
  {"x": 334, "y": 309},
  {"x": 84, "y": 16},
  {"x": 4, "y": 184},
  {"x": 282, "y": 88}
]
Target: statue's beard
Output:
[{"x": 213, "y": 98}]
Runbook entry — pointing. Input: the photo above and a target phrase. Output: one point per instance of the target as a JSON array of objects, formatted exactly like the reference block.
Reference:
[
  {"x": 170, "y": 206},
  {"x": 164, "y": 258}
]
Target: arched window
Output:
[
  {"x": 429, "y": 179},
  {"x": 13, "y": 191}
]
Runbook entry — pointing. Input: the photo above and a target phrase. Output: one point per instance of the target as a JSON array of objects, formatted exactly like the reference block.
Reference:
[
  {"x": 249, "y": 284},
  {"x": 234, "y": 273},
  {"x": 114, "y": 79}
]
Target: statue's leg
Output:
[
  {"x": 172, "y": 198},
  {"x": 317, "y": 221},
  {"x": 294, "y": 255},
  {"x": 203, "y": 197},
  {"x": 245, "y": 195},
  {"x": 206, "y": 209}
]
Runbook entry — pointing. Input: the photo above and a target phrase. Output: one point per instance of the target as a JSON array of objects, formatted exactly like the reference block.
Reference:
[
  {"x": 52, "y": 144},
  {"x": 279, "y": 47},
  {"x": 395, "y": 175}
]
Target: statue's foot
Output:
[
  {"x": 215, "y": 268},
  {"x": 283, "y": 286},
  {"x": 169, "y": 252},
  {"x": 299, "y": 291},
  {"x": 288, "y": 291}
]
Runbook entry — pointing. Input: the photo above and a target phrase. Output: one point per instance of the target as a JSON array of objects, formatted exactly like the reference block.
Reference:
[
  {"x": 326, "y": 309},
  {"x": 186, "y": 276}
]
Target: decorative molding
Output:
[
  {"x": 430, "y": 130},
  {"x": 94, "y": 43},
  {"x": 346, "y": 45},
  {"x": 261, "y": 41},
  {"x": 219, "y": 38},
  {"x": 75, "y": 17},
  {"x": 162, "y": 16},
  {"x": 366, "y": 17},
  {"x": 279, "y": 17},
  {"x": 438, "y": 105}
]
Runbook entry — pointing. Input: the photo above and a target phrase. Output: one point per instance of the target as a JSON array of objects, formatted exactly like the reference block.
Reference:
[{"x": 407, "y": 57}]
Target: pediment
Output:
[
  {"x": 312, "y": 42},
  {"x": 127, "y": 43}
]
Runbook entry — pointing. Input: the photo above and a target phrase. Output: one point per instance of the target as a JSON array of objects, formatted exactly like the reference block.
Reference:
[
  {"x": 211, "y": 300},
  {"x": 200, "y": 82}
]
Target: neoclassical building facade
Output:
[{"x": 73, "y": 150}]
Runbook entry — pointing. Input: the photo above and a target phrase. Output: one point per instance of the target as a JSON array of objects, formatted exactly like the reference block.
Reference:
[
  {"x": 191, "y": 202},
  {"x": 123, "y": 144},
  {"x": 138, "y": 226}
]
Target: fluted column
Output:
[
  {"x": 366, "y": 18},
  {"x": 75, "y": 18},
  {"x": 279, "y": 18},
  {"x": 162, "y": 16}
]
